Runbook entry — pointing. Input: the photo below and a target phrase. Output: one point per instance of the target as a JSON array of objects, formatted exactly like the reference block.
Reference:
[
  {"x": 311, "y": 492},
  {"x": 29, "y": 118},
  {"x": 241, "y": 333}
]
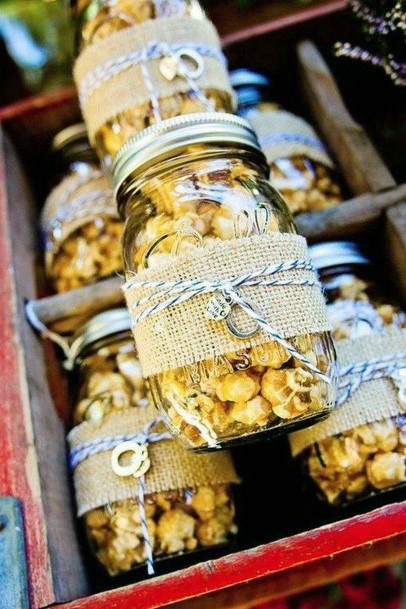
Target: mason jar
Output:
[
  {"x": 187, "y": 75},
  {"x": 108, "y": 386},
  {"x": 369, "y": 458},
  {"x": 80, "y": 227},
  {"x": 190, "y": 187},
  {"x": 300, "y": 166}
]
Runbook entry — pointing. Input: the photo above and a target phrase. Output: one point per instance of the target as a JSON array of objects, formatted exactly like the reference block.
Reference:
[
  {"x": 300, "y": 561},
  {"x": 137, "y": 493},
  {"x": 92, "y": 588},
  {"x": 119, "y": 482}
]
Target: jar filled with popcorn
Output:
[
  {"x": 79, "y": 222},
  {"x": 361, "y": 449},
  {"x": 142, "y": 496},
  {"x": 301, "y": 168},
  {"x": 228, "y": 315},
  {"x": 143, "y": 61}
]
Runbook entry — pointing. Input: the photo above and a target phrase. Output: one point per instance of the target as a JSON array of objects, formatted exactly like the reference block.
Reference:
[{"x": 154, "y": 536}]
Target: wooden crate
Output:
[{"x": 286, "y": 547}]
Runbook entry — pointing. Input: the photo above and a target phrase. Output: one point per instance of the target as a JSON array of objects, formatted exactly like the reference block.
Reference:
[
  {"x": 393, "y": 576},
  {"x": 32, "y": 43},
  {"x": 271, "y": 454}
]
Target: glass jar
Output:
[
  {"x": 357, "y": 304},
  {"x": 371, "y": 457},
  {"x": 80, "y": 226},
  {"x": 301, "y": 168},
  {"x": 201, "y": 183},
  {"x": 99, "y": 19},
  {"x": 179, "y": 520}
]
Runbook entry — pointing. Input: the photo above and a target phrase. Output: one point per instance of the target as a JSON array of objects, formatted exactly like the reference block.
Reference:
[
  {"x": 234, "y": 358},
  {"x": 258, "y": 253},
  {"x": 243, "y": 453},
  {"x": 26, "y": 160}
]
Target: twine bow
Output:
[
  {"x": 228, "y": 296},
  {"x": 119, "y": 444}
]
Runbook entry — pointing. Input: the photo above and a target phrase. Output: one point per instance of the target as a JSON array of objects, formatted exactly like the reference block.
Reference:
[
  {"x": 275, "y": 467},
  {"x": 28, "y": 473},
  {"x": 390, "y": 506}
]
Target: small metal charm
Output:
[
  {"x": 175, "y": 65},
  {"x": 218, "y": 307},
  {"x": 169, "y": 67},
  {"x": 139, "y": 463}
]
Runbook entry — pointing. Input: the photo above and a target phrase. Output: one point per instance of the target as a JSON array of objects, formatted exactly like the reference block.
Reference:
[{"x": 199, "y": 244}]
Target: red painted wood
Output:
[
  {"x": 18, "y": 472},
  {"x": 278, "y": 23},
  {"x": 241, "y": 567},
  {"x": 38, "y": 103}
]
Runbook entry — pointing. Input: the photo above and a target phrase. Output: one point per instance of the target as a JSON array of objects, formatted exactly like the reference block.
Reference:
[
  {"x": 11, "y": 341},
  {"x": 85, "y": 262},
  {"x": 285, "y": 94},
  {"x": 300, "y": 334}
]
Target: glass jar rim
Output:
[
  {"x": 173, "y": 136},
  {"x": 101, "y": 326},
  {"x": 336, "y": 253}
]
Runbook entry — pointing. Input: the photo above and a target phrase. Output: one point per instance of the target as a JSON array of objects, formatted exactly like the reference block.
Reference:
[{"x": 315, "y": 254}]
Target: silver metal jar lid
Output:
[
  {"x": 73, "y": 133},
  {"x": 335, "y": 253},
  {"x": 100, "y": 326},
  {"x": 172, "y": 136}
]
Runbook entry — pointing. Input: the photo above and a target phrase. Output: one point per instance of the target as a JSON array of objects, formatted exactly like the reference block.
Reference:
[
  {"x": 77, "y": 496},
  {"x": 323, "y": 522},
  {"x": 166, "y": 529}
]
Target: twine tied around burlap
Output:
[
  {"x": 194, "y": 308},
  {"x": 77, "y": 200},
  {"x": 159, "y": 463},
  {"x": 283, "y": 135},
  {"x": 147, "y": 62},
  {"x": 371, "y": 387}
]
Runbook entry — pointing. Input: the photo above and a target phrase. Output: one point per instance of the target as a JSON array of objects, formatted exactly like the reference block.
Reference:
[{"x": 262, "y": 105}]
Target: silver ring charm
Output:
[
  {"x": 192, "y": 56},
  {"x": 235, "y": 330}
]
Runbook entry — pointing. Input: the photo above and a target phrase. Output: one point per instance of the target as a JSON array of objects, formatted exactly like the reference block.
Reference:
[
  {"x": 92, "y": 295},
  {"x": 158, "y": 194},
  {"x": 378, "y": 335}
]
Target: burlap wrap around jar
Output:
[
  {"x": 360, "y": 449},
  {"x": 81, "y": 230},
  {"x": 227, "y": 312},
  {"x": 141, "y": 494},
  {"x": 137, "y": 72},
  {"x": 301, "y": 168}
]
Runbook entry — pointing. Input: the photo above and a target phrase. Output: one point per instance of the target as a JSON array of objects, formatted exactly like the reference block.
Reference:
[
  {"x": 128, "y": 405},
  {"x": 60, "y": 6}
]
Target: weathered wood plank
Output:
[
  {"x": 395, "y": 250},
  {"x": 47, "y": 453},
  {"x": 13, "y": 565},
  {"x": 66, "y": 311},
  {"x": 276, "y": 558},
  {"x": 19, "y": 470},
  {"x": 349, "y": 219},
  {"x": 359, "y": 161}
]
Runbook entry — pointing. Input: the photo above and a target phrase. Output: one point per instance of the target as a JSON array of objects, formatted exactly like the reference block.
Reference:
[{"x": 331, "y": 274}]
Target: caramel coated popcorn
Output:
[
  {"x": 113, "y": 381},
  {"x": 90, "y": 253},
  {"x": 178, "y": 521},
  {"x": 117, "y": 131},
  {"x": 244, "y": 401},
  {"x": 372, "y": 316},
  {"x": 305, "y": 185},
  {"x": 367, "y": 458},
  {"x": 113, "y": 17}
]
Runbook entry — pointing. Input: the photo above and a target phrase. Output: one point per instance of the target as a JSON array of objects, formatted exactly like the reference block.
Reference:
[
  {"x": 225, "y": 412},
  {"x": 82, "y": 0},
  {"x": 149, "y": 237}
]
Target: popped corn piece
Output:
[
  {"x": 174, "y": 528},
  {"x": 203, "y": 502},
  {"x": 237, "y": 387},
  {"x": 253, "y": 412},
  {"x": 211, "y": 532},
  {"x": 386, "y": 469}
]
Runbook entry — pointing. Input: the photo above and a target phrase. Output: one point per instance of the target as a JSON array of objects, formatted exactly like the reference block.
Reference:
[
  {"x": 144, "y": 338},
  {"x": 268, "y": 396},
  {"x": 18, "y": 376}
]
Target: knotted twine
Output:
[
  {"x": 122, "y": 71},
  {"x": 75, "y": 201},
  {"x": 283, "y": 135},
  {"x": 165, "y": 465},
  {"x": 372, "y": 386},
  {"x": 266, "y": 279}
]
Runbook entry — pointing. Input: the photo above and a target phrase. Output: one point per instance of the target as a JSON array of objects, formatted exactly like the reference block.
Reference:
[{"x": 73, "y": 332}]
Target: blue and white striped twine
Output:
[
  {"x": 291, "y": 138},
  {"x": 153, "y": 50},
  {"x": 144, "y": 437},
  {"x": 355, "y": 374},
  {"x": 183, "y": 290}
]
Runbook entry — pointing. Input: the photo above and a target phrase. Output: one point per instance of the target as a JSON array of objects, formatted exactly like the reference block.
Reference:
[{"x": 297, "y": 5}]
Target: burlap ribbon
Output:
[
  {"x": 284, "y": 135},
  {"x": 76, "y": 201},
  {"x": 172, "y": 467},
  {"x": 373, "y": 400},
  {"x": 110, "y": 77},
  {"x": 183, "y": 334}
]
